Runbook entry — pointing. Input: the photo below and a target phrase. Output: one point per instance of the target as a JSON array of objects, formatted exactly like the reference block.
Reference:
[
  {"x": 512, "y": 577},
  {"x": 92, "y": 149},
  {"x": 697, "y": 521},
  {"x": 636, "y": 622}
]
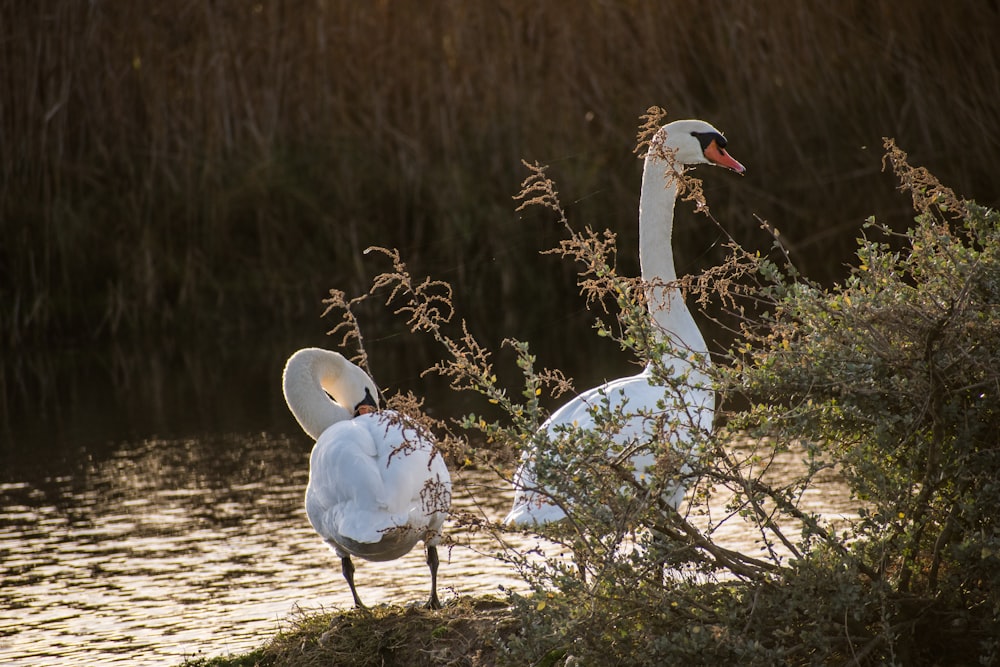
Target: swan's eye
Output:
[{"x": 706, "y": 139}]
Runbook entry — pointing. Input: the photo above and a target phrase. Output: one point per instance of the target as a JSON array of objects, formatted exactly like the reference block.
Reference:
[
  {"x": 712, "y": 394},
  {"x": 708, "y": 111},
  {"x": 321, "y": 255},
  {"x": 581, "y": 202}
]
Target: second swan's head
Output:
[{"x": 694, "y": 142}]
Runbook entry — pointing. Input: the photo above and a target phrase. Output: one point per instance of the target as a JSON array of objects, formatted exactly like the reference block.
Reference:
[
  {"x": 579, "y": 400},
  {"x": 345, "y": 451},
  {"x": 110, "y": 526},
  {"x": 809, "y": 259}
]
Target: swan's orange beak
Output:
[{"x": 719, "y": 156}]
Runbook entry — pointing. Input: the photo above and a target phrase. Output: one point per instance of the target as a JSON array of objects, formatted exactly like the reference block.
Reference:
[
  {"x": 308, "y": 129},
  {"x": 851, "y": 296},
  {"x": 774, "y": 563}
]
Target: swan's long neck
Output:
[
  {"x": 309, "y": 375},
  {"x": 656, "y": 256}
]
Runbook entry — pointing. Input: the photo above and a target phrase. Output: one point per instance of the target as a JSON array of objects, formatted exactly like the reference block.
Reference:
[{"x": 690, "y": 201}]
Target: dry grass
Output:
[{"x": 182, "y": 164}]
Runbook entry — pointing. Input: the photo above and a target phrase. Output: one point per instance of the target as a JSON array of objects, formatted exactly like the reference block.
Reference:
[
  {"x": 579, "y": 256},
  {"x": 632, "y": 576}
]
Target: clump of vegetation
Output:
[
  {"x": 465, "y": 633},
  {"x": 893, "y": 377}
]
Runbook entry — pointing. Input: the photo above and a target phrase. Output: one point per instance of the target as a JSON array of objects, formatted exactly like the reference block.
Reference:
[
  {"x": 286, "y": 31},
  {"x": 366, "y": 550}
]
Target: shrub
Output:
[{"x": 894, "y": 375}]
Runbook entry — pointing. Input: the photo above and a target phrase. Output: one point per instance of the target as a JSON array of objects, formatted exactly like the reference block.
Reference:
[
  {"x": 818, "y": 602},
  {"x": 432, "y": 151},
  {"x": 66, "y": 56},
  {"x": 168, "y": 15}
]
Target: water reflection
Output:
[{"x": 177, "y": 548}]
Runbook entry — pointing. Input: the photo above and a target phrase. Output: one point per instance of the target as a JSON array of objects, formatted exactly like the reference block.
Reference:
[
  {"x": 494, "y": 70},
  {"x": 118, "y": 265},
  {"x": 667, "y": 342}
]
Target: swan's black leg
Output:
[
  {"x": 347, "y": 567},
  {"x": 432, "y": 561}
]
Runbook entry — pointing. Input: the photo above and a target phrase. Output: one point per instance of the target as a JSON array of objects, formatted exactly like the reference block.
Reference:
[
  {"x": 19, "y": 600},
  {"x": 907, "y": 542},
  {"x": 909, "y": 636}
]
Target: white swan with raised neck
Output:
[{"x": 674, "y": 146}]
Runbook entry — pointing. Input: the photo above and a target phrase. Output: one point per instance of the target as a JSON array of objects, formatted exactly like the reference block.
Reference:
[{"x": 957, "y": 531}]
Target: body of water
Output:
[{"x": 171, "y": 549}]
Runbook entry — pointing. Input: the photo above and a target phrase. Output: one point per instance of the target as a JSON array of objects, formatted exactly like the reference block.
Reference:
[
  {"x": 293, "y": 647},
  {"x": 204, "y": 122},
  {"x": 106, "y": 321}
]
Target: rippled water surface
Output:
[{"x": 171, "y": 549}]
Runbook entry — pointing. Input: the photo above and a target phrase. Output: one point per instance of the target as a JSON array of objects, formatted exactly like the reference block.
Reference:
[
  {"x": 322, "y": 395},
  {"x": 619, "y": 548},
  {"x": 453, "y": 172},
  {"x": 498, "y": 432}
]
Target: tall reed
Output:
[{"x": 188, "y": 164}]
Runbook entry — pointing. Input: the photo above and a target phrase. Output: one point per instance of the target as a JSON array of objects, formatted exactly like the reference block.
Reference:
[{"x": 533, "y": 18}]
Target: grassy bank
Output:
[
  {"x": 466, "y": 632},
  {"x": 220, "y": 166}
]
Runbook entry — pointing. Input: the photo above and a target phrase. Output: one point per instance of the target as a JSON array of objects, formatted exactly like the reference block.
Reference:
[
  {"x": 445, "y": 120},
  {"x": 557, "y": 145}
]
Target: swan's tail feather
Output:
[{"x": 370, "y": 527}]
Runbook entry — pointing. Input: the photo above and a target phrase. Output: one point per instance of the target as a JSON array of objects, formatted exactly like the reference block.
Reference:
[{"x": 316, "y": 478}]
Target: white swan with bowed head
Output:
[
  {"x": 377, "y": 485},
  {"x": 690, "y": 402}
]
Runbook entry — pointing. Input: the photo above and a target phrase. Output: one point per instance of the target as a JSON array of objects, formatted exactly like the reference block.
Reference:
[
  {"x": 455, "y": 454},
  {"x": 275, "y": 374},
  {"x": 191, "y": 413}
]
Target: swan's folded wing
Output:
[
  {"x": 651, "y": 414},
  {"x": 346, "y": 495},
  {"x": 414, "y": 474}
]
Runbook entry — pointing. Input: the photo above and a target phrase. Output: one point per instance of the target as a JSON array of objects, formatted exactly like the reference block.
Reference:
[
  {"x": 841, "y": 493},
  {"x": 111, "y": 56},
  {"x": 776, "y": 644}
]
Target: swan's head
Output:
[
  {"x": 322, "y": 387},
  {"x": 366, "y": 405},
  {"x": 694, "y": 142},
  {"x": 345, "y": 382}
]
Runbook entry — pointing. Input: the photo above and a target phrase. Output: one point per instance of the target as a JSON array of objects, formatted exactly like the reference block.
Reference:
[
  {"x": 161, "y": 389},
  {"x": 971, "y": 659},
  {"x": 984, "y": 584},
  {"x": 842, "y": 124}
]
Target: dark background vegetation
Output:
[{"x": 208, "y": 170}]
